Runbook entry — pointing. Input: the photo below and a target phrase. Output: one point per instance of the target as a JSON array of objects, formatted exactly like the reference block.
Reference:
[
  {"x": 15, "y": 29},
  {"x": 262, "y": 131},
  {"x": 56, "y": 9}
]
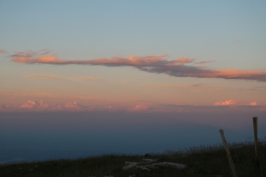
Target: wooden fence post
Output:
[
  {"x": 255, "y": 128},
  {"x": 228, "y": 153}
]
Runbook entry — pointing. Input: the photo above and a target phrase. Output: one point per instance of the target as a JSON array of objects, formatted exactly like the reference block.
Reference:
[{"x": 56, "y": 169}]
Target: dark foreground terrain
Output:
[{"x": 201, "y": 161}]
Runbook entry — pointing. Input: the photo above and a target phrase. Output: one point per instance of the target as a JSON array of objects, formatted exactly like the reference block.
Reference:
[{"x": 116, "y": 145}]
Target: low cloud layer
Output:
[
  {"x": 139, "y": 108},
  {"x": 71, "y": 106},
  {"x": 133, "y": 107},
  {"x": 182, "y": 67},
  {"x": 234, "y": 103},
  {"x": 226, "y": 103},
  {"x": 30, "y": 104},
  {"x": 254, "y": 103}
]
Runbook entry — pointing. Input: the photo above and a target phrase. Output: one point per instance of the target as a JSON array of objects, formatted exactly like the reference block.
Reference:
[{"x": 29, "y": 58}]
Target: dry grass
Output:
[{"x": 201, "y": 161}]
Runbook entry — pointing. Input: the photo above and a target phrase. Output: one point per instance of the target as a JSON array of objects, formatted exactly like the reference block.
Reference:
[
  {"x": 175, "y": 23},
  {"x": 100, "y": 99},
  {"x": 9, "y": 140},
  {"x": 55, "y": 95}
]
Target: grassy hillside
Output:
[{"x": 201, "y": 161}]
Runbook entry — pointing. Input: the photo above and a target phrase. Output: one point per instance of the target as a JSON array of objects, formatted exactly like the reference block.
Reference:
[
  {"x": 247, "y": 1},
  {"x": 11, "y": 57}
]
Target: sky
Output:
[
  {"x": 199, "y": 58},
  {"x": 132, "y": 56}
]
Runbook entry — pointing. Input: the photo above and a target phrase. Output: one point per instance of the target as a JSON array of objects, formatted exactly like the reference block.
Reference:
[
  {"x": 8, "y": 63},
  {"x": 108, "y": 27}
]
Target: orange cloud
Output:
[
  {"x": 182, "y": 60},
  {"x": 152, "y": 64},
  {"x": 225, "y": 103},
  {"x": 235, "y": 74},
  {"x": 32, "y": 58},
  {"x": 27, "y": 58}
]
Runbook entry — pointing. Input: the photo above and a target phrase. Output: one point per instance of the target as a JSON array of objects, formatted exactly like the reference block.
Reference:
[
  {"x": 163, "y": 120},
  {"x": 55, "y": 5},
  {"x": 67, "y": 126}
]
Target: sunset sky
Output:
[
  {"x": 77, "y": 77},
  {"x": 132, "y": 55}
]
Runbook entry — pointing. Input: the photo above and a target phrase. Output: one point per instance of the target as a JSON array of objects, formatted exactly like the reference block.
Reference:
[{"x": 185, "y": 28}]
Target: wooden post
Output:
[
  {"x": 255, "y": 127},
  {"x": 228, "y": 153}
]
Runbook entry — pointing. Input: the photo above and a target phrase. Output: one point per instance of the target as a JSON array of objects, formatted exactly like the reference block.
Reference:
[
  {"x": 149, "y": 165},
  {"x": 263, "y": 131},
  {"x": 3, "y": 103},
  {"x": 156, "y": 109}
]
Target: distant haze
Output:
[{"x": 43, "y": 136}]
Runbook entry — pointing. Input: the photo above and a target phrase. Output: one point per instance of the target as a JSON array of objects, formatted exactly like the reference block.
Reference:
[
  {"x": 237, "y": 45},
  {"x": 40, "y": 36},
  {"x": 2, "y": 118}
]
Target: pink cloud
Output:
[
  {"x": 111, "y": 108},
  {"x": 30, "y": 104},
  {"x": 254, "y": 103},
  {"x": 226, "y": 103},
  {"x": 152, "y": 64},
  {"x": 70, "y": 106},
  {"x": 75, "y": 106},
  {"x": 2, "y": 51},
  {"x": 233, "y": 103},
  {"x": 139, "y": 107}
]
